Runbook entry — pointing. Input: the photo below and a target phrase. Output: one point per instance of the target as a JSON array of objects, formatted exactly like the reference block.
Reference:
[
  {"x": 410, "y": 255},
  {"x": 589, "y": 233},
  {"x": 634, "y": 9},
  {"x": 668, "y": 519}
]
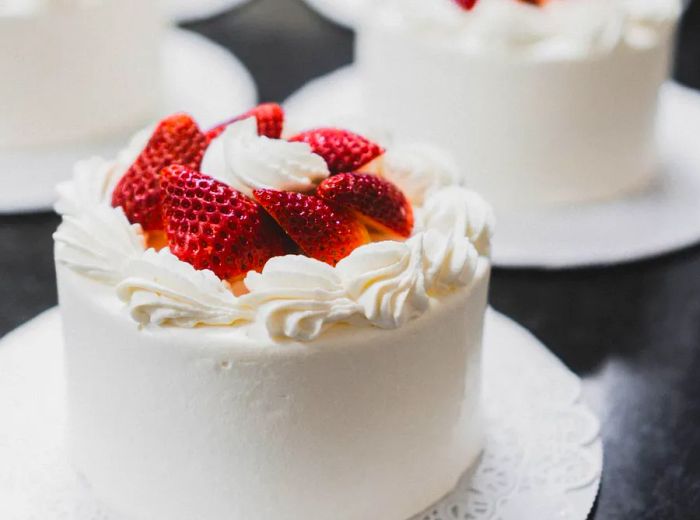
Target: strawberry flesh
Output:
[
  {"x": 343, "y": 151},
  {"x": 270, "y": 118},
  {"x": 378, "y": 202},
  {"x": 212, "y": 226},
  {"x": 176, "y": 140},
  {"x": 322, "y": 230}
]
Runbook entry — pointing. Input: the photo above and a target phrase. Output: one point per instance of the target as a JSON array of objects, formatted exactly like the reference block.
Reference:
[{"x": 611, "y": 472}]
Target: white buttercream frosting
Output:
[
  {"x": 295, "y": 296},
  {"x": 94, "y": 238},
  {"x": 90, "y": 186},
  {"x": 247, "y": 161},
  {"x": 384, "y": 283},
  {"x": 558, "y": 28},
  {"x": 459, "y": 212},
  {"x": 448, "y": 261},
  {"x": 386, "y": 279},
  {"x": 98, "y": 243},
  {"x": 94, "y": 179},
  {"x": 160, "y": 289}
]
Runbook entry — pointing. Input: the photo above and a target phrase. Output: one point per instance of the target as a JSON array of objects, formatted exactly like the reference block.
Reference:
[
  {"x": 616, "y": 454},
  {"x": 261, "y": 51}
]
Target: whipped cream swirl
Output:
[
  {"x": 386, "y": 279},
  {"x": 94, "y": 179},
  {"x": 98, "y": 243},
  {"x": 459, "y": 212},
  {"x": 448, "y": 261},
  {"x": 296, "y": 296},
  {"x": 160, "y": 289},
  {"x": 247, "y": 161},
  {"x": 91, "y": 185}
]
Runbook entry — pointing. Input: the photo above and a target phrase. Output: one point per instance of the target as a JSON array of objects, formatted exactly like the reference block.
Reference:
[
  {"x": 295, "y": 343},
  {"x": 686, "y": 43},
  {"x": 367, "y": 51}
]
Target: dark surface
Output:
[{"x": 632, "y": 332}]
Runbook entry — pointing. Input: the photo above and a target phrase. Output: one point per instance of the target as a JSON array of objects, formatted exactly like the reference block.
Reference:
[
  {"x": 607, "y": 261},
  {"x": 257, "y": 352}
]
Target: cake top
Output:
[
  {"x": 247, "y": 224},
  {"x": 533, "y": 28}
]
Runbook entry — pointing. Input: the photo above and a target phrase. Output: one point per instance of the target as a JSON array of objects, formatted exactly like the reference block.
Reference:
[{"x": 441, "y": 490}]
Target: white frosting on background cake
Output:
[
  {"x": 75, "y": 70},
  {"x": 540, "y": 105},
  {"x": 347, "y": 392}
]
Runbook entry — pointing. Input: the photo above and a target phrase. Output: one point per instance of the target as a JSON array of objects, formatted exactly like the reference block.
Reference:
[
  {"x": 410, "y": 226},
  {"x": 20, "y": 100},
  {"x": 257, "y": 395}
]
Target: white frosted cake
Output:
[
  {"x": 544, "y": 103},
  {"x": 271, "y": 328},
  {"x": 75, "y": 70}
]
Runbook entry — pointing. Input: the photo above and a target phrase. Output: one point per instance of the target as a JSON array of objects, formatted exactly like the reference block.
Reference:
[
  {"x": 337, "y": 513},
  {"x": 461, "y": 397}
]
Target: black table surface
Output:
[{"x": 632, "y": 332}]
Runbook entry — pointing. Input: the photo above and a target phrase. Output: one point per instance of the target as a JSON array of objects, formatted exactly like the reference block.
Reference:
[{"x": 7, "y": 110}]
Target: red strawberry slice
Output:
[
  {"x": 212, "y": 226},
  {"x": 176, "y": 140},
  {"x": 378, "y": 202},
  {"x": 270, "y": 117},
  {"x": 342, "y": 150},
  {"x": 322, "y": 231},
  {"x": 467, "y": 4}
]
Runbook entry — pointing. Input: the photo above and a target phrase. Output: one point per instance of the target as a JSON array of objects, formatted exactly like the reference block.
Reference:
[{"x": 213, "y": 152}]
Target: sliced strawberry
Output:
[
  {"x": 176, "y": 140},
  {"x": 467, "y": 4},
  {"x": 378, "y": 202},
  {"x": 270, "y": 117},
  {"x": 322, "y": 231},
  {"x": 342, "y": 150},
  {"x": 212, "y": 226}
]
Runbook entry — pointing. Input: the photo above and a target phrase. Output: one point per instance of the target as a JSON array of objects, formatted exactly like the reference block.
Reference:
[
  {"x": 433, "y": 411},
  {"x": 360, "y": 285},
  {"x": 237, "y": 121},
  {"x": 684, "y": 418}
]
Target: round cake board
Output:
[
  {"x": 663, "y": 217},
  {"x": 215, "y": 86},
  {"x": 190, "y": 10},
  {"x": 342, "y": 12},
  {"x": 542, "y": 456}
]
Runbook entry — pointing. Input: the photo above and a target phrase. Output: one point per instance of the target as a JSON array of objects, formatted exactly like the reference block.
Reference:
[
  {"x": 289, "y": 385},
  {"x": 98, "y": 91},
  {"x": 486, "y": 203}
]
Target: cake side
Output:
[
  {"x": 553, "y": 114},
  {"x": 360, "y": 423},
  {"x": 78, "y": 71},
  {"x": 271, "y": 327}
]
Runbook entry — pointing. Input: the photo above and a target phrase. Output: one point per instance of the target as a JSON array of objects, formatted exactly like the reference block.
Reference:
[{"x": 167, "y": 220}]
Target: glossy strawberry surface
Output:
[
  {"x": 211, "y": 225},
  {"x": 176, "y": 140}
]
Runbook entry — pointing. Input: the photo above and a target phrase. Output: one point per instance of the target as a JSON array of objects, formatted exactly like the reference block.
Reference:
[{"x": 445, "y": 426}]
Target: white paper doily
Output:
[
  {"x": 542, "y": 460},
  {"x": 213, "y": 86},
  {"x": 190, "y": 10},
  {"x": 663, "y": 218}
]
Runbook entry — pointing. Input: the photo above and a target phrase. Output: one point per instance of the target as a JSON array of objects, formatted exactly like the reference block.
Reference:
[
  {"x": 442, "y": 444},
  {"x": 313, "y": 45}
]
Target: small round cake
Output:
[
  {"x": 544, "y": 103},
  {"x": 76, "y": 70},
  {"x": 271, "y": 326}
]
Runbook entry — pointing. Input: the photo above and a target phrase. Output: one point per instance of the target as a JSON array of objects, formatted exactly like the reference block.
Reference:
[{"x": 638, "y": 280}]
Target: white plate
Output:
[
  {"x": 189, "y": 10},
  {"x": 663, "y": 218},
  {"x": 215, "y": 86},
  {"x": 543, "y": 454}
]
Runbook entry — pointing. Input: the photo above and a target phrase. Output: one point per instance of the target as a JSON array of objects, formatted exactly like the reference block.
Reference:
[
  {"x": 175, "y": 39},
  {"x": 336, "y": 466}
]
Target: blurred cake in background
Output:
[
  {"x": 543, "y": 102},
  {"x": 76, "y": 70}
]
